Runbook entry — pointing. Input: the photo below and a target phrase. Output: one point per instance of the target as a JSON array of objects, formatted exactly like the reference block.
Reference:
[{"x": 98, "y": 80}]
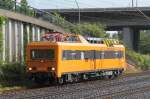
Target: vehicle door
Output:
[{"x": 98, "y": 61}]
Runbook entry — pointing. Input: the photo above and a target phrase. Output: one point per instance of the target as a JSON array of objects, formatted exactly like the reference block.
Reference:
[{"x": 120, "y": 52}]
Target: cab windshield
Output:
[{"x": 42, "y": 54}]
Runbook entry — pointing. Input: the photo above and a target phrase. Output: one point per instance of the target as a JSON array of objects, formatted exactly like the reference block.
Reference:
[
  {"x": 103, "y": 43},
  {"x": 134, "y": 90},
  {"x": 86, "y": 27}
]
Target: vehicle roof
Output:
[{"x": 47, "y": 43}]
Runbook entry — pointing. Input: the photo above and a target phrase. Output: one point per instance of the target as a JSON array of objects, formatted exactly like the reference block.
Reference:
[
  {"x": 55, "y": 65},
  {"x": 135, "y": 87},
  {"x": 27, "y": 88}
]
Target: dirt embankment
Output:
[{"x": 132, "y": 66}]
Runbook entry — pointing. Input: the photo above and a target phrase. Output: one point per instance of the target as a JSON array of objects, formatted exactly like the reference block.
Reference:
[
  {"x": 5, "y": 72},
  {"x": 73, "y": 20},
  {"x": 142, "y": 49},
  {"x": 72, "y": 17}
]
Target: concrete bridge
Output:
[
  {"x": 128, "y": 20},
  {"x": 20, "y": 29}
]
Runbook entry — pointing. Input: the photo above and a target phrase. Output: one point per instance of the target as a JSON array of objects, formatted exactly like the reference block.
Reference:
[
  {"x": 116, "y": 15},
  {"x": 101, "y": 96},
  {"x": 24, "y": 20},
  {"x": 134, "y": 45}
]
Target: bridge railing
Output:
[{"x": 33, "y": 12}]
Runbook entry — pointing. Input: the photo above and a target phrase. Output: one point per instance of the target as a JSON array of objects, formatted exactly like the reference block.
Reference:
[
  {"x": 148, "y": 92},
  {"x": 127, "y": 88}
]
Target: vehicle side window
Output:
[
  {"x": 82, "y": 55},
  {"x": 109, "y": 54},
  {"x": 98, "y": 54},
  {"x": 89, "y": 54},
  {"x": 71, "y": 55}
]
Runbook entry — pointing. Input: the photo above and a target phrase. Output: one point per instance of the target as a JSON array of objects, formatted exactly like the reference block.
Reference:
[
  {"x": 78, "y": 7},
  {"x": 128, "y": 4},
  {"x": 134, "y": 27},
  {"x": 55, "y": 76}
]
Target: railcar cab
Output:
[{"x": 41, "y": 60}]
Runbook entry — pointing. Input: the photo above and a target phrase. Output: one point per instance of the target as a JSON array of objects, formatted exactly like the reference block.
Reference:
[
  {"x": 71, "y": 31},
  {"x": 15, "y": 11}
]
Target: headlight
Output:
[
  {"x": 53, "y": 68},
  {"x": 30, "y": 68}
]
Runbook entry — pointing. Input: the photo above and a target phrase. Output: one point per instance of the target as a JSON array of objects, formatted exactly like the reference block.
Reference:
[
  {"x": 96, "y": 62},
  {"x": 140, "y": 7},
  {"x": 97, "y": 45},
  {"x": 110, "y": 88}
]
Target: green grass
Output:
[
  {"x": 12, "y": 71},
  {"x": 12, "y": 85},
  {"x": 142, "y": 61},
  {"x": 13, "y": 76}
]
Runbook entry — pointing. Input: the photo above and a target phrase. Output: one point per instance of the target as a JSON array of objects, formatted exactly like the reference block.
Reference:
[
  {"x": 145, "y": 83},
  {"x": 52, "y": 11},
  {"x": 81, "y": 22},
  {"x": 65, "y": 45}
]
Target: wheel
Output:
[
  {"x": 111, "y": 76},
  {"x": 75, "y": 79},
  {"x": 85, "y": 77},
  {"x": 60, "y": 81},
  {"x": 116, "y": 73}
]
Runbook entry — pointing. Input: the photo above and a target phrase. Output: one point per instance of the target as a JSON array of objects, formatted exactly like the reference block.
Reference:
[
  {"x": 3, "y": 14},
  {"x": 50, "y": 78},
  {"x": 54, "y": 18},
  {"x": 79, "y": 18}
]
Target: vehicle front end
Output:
[{"x": 41, "y": 61}]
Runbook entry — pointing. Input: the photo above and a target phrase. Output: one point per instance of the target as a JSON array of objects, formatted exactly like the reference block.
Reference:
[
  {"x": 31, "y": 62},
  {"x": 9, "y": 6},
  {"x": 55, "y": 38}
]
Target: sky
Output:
[{"x": 58, "y": 4}]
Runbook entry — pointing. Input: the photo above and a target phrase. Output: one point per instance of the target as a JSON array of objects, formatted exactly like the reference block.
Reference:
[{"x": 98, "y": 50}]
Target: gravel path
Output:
[{"x": 88, "y": 90}]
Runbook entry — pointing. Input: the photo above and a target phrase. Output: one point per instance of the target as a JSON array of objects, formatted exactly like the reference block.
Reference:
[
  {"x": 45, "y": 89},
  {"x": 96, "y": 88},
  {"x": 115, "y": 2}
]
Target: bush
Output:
[
  {"x": 142, "y": 61},
  {"x": 88, "y": 29},
  {"x": 12, "y": 71}
]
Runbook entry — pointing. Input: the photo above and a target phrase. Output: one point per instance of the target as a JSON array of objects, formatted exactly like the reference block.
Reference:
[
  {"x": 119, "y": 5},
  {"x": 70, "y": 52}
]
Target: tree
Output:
[
  {"x": 144, "y": 44},
  {"x": 88, "y": 29},
  {"x": 7, "y": 4},
  {"x": 57, "y": 19},
  {"x": 24, "y": 6}
]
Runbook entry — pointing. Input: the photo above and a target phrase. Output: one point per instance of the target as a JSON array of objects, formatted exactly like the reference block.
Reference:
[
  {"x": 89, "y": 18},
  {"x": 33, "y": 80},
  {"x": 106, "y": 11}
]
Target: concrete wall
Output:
[{"x": 16, "y": 34}]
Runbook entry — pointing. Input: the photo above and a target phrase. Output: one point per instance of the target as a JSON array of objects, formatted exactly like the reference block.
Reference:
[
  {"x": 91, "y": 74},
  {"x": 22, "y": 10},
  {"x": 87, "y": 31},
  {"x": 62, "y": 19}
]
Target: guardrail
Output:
[{"x": 33, "y": 12}]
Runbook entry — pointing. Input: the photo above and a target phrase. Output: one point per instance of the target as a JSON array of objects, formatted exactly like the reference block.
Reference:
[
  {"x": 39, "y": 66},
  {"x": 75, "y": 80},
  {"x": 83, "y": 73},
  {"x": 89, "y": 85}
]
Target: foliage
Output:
[
  {"x": 24, "y": 3},
  {"x": 88, "y": 29},
  {"x": 7, "y": 4},
  {"x": 24, "y": 7},
  {"x": 142, "y": 61},
  {"x": 2, "y": 19},
  {"x": 12, "y": 71},
  {"x": 57, "y": 19},
  {"x": 144, "y": 45},
  {"x": 21, "y": 8}
]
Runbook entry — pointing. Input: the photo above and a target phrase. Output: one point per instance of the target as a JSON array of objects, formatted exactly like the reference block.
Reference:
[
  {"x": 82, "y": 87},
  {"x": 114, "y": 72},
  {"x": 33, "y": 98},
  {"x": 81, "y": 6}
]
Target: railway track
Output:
[
  {"x": 103, "y": 96},
  {"x": 80, "y": 90},
  {"x": 124, "y": 93},
  {"x": 75, "y": 89}
]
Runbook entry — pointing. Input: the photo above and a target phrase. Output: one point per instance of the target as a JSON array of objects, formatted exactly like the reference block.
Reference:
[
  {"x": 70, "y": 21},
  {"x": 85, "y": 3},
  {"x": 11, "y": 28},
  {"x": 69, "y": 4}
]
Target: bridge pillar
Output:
[
  {"x": 10, "y": 39},
  {"x": 131, "y": 37},
  {"x": 33, "y": 33},
  {"x": 22, "y": 42},
  {"x": 13, "y": 39},
  {"x": 43, "y": 31},
  {"x": 136, "y": 38},
  {"x": 28, "y": 33},
  {"x": 16, "y": 40},
  {"x": 4, "y": 49},
  {"x": 38, "y": 34}
]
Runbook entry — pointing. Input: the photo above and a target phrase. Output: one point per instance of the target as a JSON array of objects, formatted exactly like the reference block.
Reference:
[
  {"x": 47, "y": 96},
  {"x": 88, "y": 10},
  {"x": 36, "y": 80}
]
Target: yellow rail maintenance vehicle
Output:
[{"x": 70, "y": 58}]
